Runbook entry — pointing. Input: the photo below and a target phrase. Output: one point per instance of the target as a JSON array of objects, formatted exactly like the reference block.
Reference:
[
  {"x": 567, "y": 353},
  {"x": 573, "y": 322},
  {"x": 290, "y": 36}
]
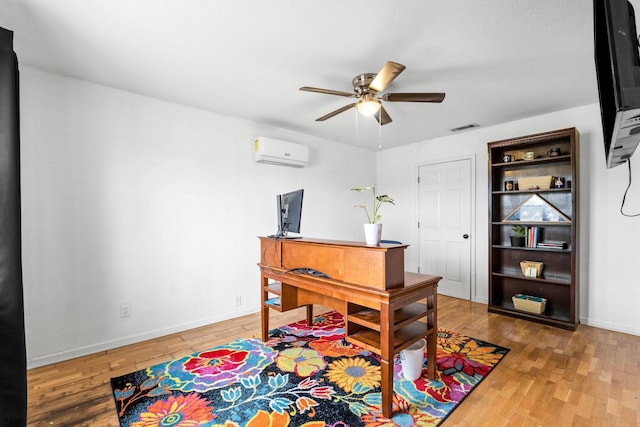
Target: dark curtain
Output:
[{"x": 13, "y": 370}]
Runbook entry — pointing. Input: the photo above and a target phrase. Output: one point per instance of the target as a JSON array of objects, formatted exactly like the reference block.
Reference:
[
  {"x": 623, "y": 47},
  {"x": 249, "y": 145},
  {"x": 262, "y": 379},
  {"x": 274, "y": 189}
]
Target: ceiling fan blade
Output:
[
  {"x": 382, "y": 116},
  {"x": 413, "y": 97},
  {"x": 389, "y": 71},
  {"x": 335, "y": 113},
  {"x": 327, "y": 91}
]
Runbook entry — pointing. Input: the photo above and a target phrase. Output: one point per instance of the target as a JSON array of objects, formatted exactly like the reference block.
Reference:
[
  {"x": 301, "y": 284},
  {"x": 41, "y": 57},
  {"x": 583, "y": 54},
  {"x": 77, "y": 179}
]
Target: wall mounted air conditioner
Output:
[{"x": 277, "y": 152}]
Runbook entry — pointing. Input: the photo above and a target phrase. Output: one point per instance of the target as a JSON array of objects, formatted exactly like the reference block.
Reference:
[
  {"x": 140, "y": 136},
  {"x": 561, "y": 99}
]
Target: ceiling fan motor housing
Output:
[{"x": 361, "y": 83}]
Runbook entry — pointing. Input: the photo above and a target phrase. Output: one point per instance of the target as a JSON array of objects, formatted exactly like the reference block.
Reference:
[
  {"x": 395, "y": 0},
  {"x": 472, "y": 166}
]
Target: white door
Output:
[{"x": 444, "y": 214}]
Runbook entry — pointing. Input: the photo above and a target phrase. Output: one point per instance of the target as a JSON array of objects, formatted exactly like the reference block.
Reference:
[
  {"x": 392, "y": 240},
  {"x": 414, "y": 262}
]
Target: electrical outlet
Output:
[
  {"x": 125, "y": 309},
  {"x": 238, "y": 301}
]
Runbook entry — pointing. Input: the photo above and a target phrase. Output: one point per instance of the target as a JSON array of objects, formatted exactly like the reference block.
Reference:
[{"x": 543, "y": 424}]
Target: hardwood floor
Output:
[{"x": 551, "y": 377}]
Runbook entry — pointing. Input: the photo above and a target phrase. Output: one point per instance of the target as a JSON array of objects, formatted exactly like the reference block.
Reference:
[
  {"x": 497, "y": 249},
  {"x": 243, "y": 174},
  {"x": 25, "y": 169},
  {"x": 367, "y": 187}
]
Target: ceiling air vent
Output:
[{"x": 465, "y": 127}]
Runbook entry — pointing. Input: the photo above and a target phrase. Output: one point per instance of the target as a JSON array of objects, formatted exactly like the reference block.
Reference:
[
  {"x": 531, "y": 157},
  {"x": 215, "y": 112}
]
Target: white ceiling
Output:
[{"x": 497, "y": 60}]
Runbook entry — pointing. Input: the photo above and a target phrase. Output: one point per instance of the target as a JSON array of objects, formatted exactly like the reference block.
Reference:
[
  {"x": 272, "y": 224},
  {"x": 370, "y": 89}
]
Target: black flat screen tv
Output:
[
  {"x": 618, "y": 73},
  {"x": 289, "y": 213}
]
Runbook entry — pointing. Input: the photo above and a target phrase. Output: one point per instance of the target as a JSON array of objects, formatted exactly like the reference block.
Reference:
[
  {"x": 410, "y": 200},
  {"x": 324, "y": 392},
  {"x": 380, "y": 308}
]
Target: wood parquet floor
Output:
[{"x": 551, "y": 377}]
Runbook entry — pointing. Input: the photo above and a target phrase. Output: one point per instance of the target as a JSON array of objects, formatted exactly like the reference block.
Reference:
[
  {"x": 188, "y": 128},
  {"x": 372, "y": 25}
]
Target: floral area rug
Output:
[{"x": 301, "y": 377}]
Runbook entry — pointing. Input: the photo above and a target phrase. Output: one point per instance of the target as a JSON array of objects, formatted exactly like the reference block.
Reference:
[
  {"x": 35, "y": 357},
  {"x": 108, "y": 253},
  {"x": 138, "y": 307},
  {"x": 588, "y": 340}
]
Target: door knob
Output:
[{"x": 465, "y": 236}]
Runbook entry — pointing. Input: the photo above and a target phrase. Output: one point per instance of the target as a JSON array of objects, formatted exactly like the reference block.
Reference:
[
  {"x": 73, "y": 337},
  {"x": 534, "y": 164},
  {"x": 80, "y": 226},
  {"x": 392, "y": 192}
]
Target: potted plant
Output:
[
  {"x": 373, "y": 227},
  {"x": 519, "y": 237}
]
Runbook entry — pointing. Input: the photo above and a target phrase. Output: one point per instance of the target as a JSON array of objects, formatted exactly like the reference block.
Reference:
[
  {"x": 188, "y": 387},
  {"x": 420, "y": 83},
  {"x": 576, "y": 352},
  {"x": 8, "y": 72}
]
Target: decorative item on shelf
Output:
[
  {"x": 508, "y": 185},
  {"x": 536, "y": 209},
  {"x": 507, "y": 158},
  {"x": 373, "y": 228},
  {"x": 528, "y": 303},
  {"x": 535, "y": 182},
  {"x": 520, "y": 236},
  {"x": 531, "y": 268},
  {"x": 553, "y": 152},
  {"x": 529, "y": 155},
  {"x": 558, "y": 182}
]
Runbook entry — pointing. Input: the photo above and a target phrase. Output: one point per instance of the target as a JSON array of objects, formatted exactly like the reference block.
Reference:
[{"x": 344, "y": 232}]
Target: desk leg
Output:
[
  {"x": 386, "y": 360},
  {"x": 432, "y": 339},
  {"x": 264, "y": 312},
  {"x": 265, "y": 323},
  {"x": 309, "y": 315},
  {"x": 432, "y": 351}
]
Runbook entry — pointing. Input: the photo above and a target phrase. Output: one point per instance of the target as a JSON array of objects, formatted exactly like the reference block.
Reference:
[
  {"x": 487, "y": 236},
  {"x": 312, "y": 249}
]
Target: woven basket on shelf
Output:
[
  {"x": 529, "y": 303},
  {"x": 538, "y": 266}
]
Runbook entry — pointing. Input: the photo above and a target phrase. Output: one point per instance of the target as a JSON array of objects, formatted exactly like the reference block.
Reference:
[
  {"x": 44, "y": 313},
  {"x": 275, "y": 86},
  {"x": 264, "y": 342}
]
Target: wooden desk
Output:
[{"x": 383, "y": 321}]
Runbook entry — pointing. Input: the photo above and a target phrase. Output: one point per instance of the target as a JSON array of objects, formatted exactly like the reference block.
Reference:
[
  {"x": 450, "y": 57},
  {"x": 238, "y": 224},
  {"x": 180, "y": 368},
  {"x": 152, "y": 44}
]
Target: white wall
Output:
[
  {"x": 128, "y": 199},
  {"x": 609, "y": 289}
]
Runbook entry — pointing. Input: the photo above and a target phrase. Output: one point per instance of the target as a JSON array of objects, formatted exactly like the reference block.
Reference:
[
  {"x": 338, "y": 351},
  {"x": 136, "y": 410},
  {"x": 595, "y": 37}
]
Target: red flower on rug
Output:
[
  {"x": 215, "y": 368},
  {"x": 216, "y": 361}
]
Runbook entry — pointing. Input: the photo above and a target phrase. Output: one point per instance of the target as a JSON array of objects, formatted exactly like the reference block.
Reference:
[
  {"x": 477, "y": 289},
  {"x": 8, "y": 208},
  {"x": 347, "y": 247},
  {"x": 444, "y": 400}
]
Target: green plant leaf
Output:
[{"x": 374, "y": 217}]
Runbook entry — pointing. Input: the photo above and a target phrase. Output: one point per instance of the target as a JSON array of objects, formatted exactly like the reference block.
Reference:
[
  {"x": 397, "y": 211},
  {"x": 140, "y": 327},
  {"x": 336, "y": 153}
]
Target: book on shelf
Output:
[
  {"x": 533, "y": 236},
  {"x": 552, "y": 244}
]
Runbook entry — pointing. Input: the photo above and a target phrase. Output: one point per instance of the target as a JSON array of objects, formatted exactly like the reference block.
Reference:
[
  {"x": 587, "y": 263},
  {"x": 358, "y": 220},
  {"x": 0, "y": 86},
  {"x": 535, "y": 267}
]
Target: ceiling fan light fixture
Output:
[{"x": 368, "y": 105}]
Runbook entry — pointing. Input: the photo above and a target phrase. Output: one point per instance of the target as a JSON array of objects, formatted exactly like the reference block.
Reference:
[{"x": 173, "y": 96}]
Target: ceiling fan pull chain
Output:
[{"x": 357, "y": 127}]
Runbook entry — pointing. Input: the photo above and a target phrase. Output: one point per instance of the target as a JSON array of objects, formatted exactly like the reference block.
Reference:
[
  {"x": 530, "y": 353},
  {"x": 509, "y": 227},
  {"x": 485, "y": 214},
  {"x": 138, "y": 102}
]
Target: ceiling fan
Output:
[{"x": 367, "y": 88}]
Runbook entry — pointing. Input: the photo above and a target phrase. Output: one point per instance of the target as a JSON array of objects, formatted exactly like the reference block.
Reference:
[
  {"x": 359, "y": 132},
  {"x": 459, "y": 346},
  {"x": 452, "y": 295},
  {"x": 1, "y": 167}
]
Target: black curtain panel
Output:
[{"x": 13, "y": 370}]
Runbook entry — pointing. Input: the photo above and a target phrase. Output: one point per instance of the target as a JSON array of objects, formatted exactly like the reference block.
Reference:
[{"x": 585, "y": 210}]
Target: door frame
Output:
[{"x": 472, "y": 207}]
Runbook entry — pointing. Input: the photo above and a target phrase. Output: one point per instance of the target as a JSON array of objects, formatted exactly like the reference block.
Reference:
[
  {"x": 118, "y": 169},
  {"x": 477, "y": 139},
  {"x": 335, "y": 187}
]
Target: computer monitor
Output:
[{"x": 289, "y": 214}]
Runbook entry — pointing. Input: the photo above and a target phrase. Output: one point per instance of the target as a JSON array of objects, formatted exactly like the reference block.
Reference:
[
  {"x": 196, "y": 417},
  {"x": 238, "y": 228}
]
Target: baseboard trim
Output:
[
  {"x": 37, "y": 362},
  {"x": 610, "y": 326}
]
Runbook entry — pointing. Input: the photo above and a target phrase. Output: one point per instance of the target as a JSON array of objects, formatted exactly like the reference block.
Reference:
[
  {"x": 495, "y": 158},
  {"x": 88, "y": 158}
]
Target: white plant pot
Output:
[{"x": 373, "y": 234}]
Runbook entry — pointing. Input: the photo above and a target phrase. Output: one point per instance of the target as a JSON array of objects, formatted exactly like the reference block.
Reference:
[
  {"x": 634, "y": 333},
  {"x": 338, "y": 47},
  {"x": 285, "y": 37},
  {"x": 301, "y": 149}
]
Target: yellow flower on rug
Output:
[
  {"x": 477, "y": 353},
  {"x": 303, "y": 361},
  {"x": 447, "y": 338},
  {"x": 351, "y": 371}
]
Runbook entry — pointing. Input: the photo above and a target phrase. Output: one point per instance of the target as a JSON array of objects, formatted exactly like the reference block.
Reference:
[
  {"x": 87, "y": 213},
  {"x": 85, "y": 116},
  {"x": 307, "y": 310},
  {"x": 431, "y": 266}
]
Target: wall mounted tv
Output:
[{"x": 618, "y": 73}]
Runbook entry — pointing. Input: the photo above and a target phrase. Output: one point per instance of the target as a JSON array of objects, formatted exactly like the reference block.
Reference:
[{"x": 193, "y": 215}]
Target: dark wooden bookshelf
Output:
[{"x": 554, "y": 154}]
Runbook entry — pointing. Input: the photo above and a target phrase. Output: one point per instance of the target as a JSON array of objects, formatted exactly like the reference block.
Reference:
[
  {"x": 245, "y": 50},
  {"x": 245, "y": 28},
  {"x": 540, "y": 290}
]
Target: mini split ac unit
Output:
[{"x": 277, "y": 152}]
